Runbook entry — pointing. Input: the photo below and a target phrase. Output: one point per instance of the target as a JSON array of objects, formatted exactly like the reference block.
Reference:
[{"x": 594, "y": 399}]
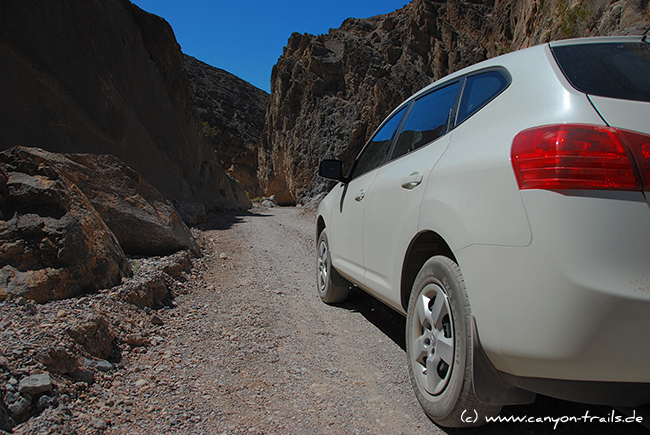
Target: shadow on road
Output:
[
  {"x": 388, "y": 321},
  {"x": 545, "y": 415},
  {"x": 225, "y": 220}
]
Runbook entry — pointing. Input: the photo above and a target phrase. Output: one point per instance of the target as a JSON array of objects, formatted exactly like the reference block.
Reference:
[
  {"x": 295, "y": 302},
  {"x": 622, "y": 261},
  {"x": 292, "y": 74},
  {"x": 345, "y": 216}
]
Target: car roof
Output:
[{"x": 596, "y": 40}]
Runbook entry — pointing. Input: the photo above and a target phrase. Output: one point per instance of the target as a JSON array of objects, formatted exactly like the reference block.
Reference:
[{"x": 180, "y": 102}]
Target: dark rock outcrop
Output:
[
  {"x": 330, "y": 92},
  {"x": 105, "y": 77},
  {"x": 53, "y": 243},
  {"x": 232, "y": 113}
]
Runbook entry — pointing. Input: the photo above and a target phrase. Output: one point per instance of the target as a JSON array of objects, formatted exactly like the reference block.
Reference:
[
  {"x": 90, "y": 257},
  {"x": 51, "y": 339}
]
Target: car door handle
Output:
[
  {"x": 360, "y": 196},
  {"x": 412, "y": 181}
]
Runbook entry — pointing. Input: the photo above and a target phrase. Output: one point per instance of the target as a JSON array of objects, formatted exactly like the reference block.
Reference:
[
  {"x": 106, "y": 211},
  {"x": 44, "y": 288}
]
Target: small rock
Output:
[
  {"x": 6, "y": 422},
  {"x": 61, "y": 360},
  {"x": 141, "y": 383},
  {"x": 156, "y": 320},
  {"x": 98, "y": 423},
  {"x": 61, "y": 314},
  {"x": 135, "y": 340},
  {"x": 223, "y": 256},
  {"x": 83, "y": 376},
  {"x": 19, "y": 407},
  {"x": 31, "y": 308},
  {"x": 102, "y": 365},
  {"x": 20, "y": 300},
  {"x": 44, "y": 357},
  {"x": 23, "y": 370},
  {"x": 35, "y": 384},
  {"x": 45, "y": 402},
  {"x": 12, "y": 397}
]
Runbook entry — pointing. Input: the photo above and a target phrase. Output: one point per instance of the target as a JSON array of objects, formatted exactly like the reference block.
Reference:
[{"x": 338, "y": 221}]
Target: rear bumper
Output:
[{"x": 574, "y": 305}]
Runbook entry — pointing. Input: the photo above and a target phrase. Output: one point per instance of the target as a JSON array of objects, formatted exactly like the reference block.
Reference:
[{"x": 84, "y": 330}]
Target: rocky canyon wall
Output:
[
  {"x": 105, "y": 77},
  {"x": 232, "y": 114},
  {"x": 329, "y": 92}
]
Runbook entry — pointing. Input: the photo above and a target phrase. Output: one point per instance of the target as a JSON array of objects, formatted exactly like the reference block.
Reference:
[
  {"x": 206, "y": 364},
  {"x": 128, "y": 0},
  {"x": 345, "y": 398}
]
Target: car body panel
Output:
[
  {"x": 346, "y": 222},
  {"x": 629, "y": 115},
  {"x": 392, "y": 217},
  {"x": 461, "y": 193},
  {"x": 570, "y": 305}
]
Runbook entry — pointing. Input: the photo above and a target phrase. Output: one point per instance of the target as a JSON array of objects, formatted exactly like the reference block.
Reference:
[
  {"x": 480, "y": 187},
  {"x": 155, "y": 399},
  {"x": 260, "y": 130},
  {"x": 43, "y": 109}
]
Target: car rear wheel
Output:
[
  {"x": 439, "y": 346},
  {"x": 332, "y": 287}
]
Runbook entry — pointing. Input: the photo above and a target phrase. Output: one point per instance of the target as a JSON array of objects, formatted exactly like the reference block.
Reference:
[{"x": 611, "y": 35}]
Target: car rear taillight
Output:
[{"x": 576, "y": 156}]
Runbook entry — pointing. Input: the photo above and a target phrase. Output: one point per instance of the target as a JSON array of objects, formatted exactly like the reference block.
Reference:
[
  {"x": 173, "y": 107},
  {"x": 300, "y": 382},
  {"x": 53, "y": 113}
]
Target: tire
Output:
[
  {"x": 439, "y": 347},
  {"x": 332, "y": 287}
]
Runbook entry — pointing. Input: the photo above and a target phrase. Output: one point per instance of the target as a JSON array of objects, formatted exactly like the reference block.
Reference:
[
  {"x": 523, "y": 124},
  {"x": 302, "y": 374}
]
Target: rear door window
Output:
[
  {"x": 614, "y": 70},
  {"x": 427, "y": 121},
  {"x": 479, "y": 90}
]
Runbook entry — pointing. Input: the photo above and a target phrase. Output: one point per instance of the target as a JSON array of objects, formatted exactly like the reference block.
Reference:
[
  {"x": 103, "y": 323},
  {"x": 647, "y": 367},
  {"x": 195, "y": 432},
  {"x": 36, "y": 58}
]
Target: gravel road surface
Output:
[{"x": 251, "y": 349}]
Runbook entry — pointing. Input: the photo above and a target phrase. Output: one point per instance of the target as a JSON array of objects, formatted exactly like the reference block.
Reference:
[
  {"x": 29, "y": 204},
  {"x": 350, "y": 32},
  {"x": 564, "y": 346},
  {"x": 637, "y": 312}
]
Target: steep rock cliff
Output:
[
  {"x": 105, "y": 77},
  {"x": 330, "y": 92},
  {"x": 232, "y": 113}
]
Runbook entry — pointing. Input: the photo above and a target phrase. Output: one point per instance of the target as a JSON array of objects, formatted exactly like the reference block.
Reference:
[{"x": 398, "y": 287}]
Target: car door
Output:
[
  {"x": 392, "y": 201},
  {"x": 345, "y": 236}
]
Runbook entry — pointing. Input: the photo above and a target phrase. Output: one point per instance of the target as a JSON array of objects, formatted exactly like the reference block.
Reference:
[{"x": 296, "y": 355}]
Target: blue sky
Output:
[{"x": 246, "y": 38}]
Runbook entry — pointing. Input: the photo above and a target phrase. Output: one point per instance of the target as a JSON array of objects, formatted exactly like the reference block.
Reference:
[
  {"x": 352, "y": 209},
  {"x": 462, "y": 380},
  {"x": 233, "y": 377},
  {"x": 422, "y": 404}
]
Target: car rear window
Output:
[{"x": 614, "y": 70}]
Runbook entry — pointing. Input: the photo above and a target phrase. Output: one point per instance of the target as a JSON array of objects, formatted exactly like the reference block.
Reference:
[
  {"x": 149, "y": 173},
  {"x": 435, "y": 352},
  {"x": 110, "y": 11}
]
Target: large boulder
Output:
[
  {"x": 53, "y": 243},
  {"x": 144, "y": 221}
]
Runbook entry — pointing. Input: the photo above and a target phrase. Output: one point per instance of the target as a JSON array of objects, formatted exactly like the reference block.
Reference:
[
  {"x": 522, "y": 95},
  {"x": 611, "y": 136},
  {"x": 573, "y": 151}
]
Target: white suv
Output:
[{"x": 504, "y": 210}]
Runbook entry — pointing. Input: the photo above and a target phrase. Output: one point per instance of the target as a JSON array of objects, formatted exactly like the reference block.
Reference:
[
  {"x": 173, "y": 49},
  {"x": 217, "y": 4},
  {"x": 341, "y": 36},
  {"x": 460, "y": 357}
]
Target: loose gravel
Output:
[
  {"x": 246, "y": 347},
  {"x": 252, "y": 349}
]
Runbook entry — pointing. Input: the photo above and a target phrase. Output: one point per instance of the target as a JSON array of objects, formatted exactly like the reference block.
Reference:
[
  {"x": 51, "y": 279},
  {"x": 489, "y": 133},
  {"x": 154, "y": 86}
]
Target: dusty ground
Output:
[
  {"x": 247, "y": 347},
  {"x": 252, "y": 349}
]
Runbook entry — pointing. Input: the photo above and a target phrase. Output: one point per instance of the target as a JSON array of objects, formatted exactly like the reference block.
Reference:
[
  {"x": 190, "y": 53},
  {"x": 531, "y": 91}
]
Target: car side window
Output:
[
  {"x": 427, "y": 120},
  {"x": 479, "y": 90},
  {"x": 376, "y": 150}
]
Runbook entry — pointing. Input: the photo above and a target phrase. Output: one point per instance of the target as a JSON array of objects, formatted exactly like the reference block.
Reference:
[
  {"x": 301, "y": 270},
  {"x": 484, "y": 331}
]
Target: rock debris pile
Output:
[{"x": 59, "y": 360}]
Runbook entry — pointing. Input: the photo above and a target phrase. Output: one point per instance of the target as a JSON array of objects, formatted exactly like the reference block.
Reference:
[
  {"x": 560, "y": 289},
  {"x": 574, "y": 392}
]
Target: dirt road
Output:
[{"x": 251, "y": 349}]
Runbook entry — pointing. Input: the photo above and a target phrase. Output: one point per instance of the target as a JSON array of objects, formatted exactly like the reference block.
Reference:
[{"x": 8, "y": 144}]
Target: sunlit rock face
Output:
[{"x": 330, "y": 92}]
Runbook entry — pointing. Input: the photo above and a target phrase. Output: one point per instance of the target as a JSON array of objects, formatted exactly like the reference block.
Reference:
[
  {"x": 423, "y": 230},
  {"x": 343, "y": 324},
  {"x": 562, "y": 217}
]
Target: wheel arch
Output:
[
  {"x": 320, "y": 226},
  {"x": 488, "y": 385},
  {"x": 424, "y": 245}
]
